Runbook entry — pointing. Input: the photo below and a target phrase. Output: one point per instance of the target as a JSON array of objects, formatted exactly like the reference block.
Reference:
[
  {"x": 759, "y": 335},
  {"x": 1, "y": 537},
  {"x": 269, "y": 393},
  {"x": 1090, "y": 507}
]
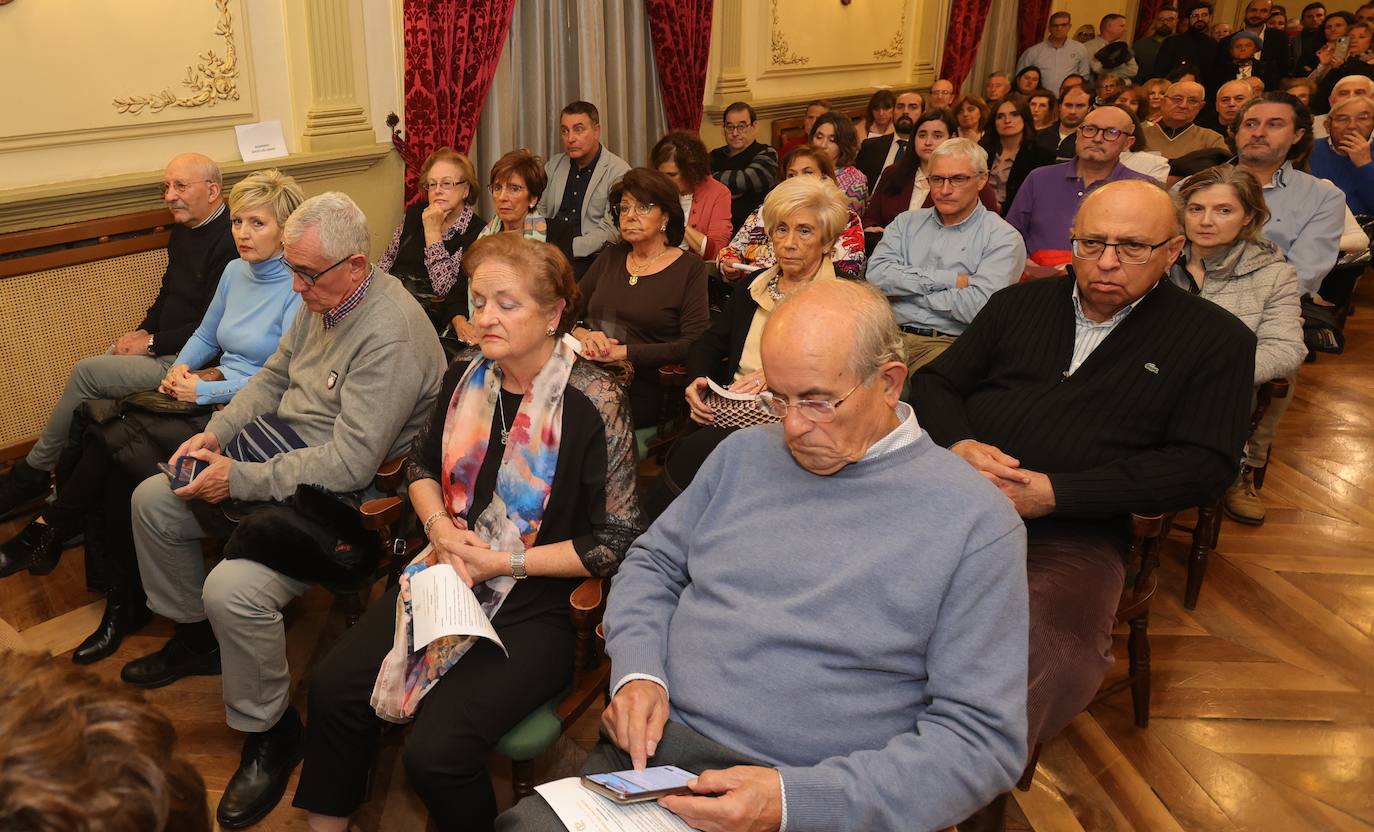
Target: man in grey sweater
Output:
[
  {"x": 829, "y": 624},
  {"x": 354, "y": 378}
]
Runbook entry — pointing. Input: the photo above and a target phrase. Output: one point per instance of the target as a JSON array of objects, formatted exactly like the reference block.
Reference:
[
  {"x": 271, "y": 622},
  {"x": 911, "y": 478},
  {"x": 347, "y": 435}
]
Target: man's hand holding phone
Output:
[
  {"x": 635, "y": 718},
  {"x": 738, "y": 799}
]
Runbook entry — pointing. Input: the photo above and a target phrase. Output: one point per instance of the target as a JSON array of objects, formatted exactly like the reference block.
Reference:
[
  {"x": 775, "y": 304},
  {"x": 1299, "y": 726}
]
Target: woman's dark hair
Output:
[
  {"x": 845, "y": 136},
  {"x": 904, "y": 169},
  {"x": 1016, "y": 82},
  {"x": 543, "y": 264},
  {"x": 992, "y": 141},
  {"x": 827, "y": 167},
  {"x": 687, "y": 152},
  {"x": 525, "y": 165},
  {"x": 879, "y": 100},
  {"x": 648, "y": 185}
]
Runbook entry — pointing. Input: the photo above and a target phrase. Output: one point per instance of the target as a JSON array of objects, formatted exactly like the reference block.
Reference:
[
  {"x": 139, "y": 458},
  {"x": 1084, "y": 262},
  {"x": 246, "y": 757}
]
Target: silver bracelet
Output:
[{"x": 429, "y": 521}]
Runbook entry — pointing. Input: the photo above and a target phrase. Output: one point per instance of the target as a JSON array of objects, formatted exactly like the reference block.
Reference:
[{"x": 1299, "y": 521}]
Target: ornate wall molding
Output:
[
  {"x": 894, "y": 47},
  {"x": 782, "y": 54},
  {"x": 212, "y": 80}
]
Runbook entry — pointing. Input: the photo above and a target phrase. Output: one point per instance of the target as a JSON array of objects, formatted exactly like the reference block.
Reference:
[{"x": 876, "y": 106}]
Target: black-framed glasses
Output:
[
  {"x": 310, "y": 279},
  {"x": 1130, "y": 252},
  {"x": 737, "y": 128},
  {"x": 1109, "y": 134},
  {"x": 815, "y": 410},
  {"x": 959, "y": 180}
]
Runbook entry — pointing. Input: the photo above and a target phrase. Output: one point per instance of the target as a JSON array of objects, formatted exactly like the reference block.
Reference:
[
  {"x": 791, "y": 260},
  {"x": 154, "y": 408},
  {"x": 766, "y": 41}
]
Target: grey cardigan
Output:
[
  {"x": 1254, "y": 282},
  {"x": 598, "y": 230}
]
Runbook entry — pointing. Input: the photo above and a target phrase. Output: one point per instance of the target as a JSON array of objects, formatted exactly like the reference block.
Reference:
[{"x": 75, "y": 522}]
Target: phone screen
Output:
[{"x": 657, "y": 778}]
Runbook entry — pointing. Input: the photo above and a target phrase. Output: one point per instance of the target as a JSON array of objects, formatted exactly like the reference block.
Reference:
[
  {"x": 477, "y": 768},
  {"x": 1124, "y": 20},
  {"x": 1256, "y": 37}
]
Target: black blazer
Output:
[
  {"x": 1062, "y": 151},
  {"x": 716, "y": 354},
  {"x": 1032, "y": 155},
  {"x": 872, "y": 154}
]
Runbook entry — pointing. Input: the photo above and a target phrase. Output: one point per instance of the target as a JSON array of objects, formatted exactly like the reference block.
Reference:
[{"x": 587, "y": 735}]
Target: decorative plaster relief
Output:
[{"x": 212, "y": 80}]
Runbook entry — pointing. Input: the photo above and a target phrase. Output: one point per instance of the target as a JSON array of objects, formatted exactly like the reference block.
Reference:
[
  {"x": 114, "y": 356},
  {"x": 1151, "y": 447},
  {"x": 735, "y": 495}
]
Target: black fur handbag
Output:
[{"x": 315, "y": 536}]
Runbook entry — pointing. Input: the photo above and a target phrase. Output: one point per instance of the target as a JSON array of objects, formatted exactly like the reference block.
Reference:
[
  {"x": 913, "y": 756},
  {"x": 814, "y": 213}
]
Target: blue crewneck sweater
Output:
[
  {"x": 1357, "y": 183},
  {"x": 251, "y": 308},
  {"x": 865, "y": 632}
]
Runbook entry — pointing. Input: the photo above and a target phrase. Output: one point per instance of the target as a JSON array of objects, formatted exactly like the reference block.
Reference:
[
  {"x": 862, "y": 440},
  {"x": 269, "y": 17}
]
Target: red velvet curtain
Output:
[
  {"x": 681, "y": 31},
  {"x": 452, "y": 48},
  {"x": 1030, "y": 25},
  {"x": 1145, "y": 15},
  {"x": 966, "y": 21}
]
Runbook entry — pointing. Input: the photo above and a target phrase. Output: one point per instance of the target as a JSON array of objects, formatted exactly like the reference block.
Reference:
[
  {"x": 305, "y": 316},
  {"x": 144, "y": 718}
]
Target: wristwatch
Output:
[
  {"x": 150, "y": 344},
  {"x": 517, "y": 563}
]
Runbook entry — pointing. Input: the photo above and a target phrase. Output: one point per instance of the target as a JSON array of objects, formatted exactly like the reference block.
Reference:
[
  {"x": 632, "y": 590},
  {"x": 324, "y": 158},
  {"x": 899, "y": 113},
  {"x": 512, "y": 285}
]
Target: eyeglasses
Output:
[
  {"x": 814, "y": 410},
  {"x": 1128, "y": 252},
  {"x": 1183, "y": 99},
  {"x": 311, "y": 279},
  {"x": 640, "y": 209},
  {"x": 179, "y": 187},
  {"x": 1343, "y": 119},
  {"x": 958, "y": 180},
  {"x": 1109, "y": 134},
  {"x": 498, "y": 188},
  {"x": 737, "y": 128},
  {"x": 446, "y": 184}
]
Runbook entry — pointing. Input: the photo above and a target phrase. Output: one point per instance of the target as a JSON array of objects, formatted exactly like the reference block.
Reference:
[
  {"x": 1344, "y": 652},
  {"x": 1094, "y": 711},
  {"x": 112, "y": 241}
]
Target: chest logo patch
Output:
[
  {"x": 1149, "y": 365},
  {"x": 334, "y": 379}
]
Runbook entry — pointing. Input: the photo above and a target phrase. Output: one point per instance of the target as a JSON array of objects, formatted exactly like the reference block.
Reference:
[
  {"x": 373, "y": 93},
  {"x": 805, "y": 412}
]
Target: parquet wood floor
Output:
[{"x": 1263, "y": 697}]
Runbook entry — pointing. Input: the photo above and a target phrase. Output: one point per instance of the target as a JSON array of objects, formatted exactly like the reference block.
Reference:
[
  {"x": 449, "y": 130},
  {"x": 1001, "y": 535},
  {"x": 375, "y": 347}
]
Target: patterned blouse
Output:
[
  {"x": 443, "y": 269},
  {"x": 855, "y": 186},
  {"x": 751, "y": 245}
]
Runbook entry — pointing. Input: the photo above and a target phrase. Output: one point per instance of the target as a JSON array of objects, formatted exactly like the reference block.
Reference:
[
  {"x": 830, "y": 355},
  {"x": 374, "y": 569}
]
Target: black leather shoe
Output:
[
  {"x": 264, "y": 769},
  {"x": 125, "y": 613},
  {"x": 37, "y": 548},
  {"x": 174, "y": 661},
  {"x": 22, "y": 488}
]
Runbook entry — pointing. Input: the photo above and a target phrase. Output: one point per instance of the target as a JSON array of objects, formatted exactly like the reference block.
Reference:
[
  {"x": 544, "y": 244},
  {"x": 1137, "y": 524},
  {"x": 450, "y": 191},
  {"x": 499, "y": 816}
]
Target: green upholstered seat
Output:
[{"x": 534, "y": 734}]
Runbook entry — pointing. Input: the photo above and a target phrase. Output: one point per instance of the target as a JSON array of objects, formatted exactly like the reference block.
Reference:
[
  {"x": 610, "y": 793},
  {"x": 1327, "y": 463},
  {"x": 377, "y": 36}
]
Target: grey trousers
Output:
[
  {"x": 923, "y": 349},
  {"x": 680, "y": 746},
  {"x": 1257, "y": 446},
  {"x": 96, "y": 377},
  {"x": 242, "y": 599}
]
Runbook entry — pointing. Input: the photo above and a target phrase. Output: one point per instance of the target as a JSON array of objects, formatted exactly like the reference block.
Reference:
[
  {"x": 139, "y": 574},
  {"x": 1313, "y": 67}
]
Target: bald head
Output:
[
  {"x": 819, "y": 311},
  {"x": 192, "y": 188},
  {"x": 1182, "y": 102},
  {"x": 1154, "y": 207},
  {"x": 1126, "y": 234}
]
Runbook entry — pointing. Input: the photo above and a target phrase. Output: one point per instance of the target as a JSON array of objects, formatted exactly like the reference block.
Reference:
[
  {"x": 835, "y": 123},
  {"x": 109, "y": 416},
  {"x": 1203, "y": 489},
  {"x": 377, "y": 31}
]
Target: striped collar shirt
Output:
[
  {"x": 1089, "y": 334},
  {"x": 333, "y": 317}
]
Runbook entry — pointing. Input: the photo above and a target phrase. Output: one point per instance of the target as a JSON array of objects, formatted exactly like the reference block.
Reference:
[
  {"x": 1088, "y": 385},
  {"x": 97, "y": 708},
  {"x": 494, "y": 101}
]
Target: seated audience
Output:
[
  {"x": 1059, "y": 138},
  {"x": 517, "y": 183},
  {"x": 939, "y": 265},
  {"x": 1085, "y": 33},
  {"x": 354, "y": 378},
  {"x": 252, "y": 307},
  {"x": 1348, "y": 87},
  {"x": 1049, "y": 198},
  {"x": 726, "y": 635},
  {"x": 1027, "y": 80},
  {"x": 198, "y": 249},
  {"x": 1343, "y": 158},
  {"x": 1071, "y": 81},
  {"x": 1256, "y": 84},
  {"x": 650, "y": 325},
  {"x": 752, "y": 249},
  {"x": 1085, "y": 398},
  {"x": 1334, "y": 48},
  {"x": 804, "y": 217},
  {"x": 1191, "y": 50},
  {"x": 1221, "y": 31},
  {"x": 1146, "y": 48},
  {"x": 941, "y": 95},
  {"x": 1155, "y": 90},
  {"x": 834, "y": 136},
  {"x": 904, "y": 187},
  {"x": 1109, "y": 53},
  {"x": 1359, "y": 61},
  {"x": 1043, "y": 107},
  {"x": 519, "y": 516},
  {"x": 681, "y": 157},
  {"x": 1056, "y": 56},
  {"x": 1140, "y": 158},
  {"x": 579, "y": 179},
  {"x": 1227, "y": 262},
  {"x": 1271, "y": 47},
  {"x": 996, "y": 87},
  {"x": 814, "y": 110},
  {"x": 1012, "y": 150},
  {"x": 1306, "y": 214},
  {"x": 426, "y": 251},
  {"x": 1106, "y": 89},
  {"x": 748, "y": 167},
  {"x": 1238, "y": 61},
  {"x": 972, "y": 114},
  {"x": 1300, "y": 88},
  {"x": 878, "y": 154},
  {"x": 1134, "y": 99},
  {"x": 1229, "y": 98},
  {"x": 81, "y": 754},
  {"x": 878, "y": 116},
  {"x": 1176, "y": 134}
]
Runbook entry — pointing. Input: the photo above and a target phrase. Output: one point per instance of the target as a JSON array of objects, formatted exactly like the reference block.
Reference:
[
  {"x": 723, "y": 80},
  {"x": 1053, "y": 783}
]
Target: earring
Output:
[
  {"x": 663, "y": 227},
  {"x": 550, "y": 331}
]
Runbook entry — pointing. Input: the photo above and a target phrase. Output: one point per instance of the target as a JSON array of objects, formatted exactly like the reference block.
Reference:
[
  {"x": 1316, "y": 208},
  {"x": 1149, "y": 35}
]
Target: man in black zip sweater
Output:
[{"x": 1085, "y": 398}]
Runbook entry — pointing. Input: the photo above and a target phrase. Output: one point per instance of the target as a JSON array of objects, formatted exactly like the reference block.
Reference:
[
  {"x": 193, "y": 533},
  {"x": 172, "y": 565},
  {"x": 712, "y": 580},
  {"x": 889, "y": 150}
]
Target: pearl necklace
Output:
[{"x": 644, "y": 267}]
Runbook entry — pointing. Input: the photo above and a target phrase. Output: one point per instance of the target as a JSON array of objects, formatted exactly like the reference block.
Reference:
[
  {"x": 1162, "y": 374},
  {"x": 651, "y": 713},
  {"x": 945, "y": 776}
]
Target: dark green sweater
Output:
[{"x": 1154, "y": 420}]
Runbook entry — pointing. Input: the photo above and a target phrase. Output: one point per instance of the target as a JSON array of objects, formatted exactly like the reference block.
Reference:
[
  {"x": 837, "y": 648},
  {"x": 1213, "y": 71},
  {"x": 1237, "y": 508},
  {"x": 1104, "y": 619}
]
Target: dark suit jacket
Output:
[
  {"x": 716, "y": 354},
  {"x": 1193, "y": 48},
  {"x": 872, "y": 154},
  {"x": 1274, "y": 62},
  {"x": 1062, "y": 151}
]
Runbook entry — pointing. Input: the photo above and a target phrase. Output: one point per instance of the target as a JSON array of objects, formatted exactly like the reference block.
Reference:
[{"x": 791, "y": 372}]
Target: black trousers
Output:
[
  {"x": 93, "y": 495},
  {"x": 482, "y": 697}
]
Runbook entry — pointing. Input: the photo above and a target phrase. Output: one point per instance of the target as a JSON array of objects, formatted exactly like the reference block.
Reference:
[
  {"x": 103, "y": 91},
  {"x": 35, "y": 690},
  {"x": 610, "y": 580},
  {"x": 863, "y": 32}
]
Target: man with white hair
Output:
[
  {"x": 808, "y": 688},
  {"x": 1348, "y": 87},
  {"x": 1343, "y": 158},
  {"x": 939, "y": 265},
  {"x": 351, "y": 383},
  {"x": 1176, "y": 133}
]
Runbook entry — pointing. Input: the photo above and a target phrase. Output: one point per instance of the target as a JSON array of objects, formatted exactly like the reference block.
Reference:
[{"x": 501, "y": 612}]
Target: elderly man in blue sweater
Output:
[{"x": 829, "y": 624}]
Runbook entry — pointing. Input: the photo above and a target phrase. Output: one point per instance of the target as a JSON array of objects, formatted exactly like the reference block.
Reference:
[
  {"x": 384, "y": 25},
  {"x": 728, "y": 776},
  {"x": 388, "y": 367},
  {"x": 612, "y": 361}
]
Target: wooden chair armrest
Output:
[
  {"x": 673, "y": 375},
  {"x": 588, "y": 595},
  {"x": 390, "y": 474},
  {"x": 601, "y": 632},
  {"x": 382, "y": 512},
  {"x": 1145, "y": 526}
]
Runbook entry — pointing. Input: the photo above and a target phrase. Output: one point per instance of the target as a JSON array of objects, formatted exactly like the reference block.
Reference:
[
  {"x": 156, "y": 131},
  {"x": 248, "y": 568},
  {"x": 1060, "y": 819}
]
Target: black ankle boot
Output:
[
  {"x": 265, "y": 767},
  {"x": 126, "y": 612},
  {"x": 22, "y": 488},
  {"x": 37, "y": 548}
]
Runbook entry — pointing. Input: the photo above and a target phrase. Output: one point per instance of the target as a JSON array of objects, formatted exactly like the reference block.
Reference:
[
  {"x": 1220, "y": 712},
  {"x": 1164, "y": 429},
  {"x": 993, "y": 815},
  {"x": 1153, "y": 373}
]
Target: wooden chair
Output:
[
  {"x": 382, "y": 517},
  {"x": 1148, "y": 532},
  {"x": 672, "y": 417},
  {"x": 1207, "y": 529},
  {"x": 537, "y": 733}
]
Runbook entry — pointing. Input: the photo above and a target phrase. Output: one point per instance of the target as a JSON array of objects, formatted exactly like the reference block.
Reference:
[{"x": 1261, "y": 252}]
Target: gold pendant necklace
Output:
[{"x": 643, "y": 268}]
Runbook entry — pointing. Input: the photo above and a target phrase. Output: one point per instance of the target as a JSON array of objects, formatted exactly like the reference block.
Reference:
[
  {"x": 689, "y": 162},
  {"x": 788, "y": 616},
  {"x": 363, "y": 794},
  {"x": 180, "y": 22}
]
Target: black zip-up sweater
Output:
[
  {"x": 1154, "y": 420},
  {"x": 196, "y": 258}
]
